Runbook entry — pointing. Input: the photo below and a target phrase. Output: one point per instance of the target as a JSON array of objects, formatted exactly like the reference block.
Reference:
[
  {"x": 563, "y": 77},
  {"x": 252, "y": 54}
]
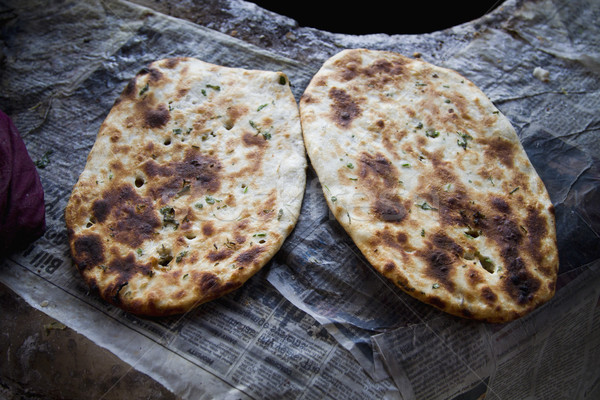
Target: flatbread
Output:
[
  {"x": 431, "y": 182},
  {"x": 195, "y": 180}
]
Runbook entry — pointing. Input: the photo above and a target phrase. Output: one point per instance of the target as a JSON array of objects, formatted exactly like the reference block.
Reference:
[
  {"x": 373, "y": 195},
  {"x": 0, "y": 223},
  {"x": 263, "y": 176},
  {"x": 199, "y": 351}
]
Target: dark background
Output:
[{"x": 374, "y": 16}]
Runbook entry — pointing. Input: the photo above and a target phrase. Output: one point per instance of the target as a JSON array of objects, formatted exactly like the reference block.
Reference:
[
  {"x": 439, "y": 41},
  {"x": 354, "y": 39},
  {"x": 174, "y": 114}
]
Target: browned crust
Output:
[
  {"x": 434, "y": 186},
  {"x": 179, "y": 201}
]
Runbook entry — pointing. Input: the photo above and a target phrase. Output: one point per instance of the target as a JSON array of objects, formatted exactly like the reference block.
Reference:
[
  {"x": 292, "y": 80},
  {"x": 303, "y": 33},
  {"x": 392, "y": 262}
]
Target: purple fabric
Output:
[{"x": 22, "y": 210}]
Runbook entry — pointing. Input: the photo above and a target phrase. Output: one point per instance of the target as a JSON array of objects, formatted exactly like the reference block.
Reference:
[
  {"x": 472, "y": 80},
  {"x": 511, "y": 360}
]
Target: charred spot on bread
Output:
[
  {"x": 88, "y": 251},
  {"x": 383, "y": 66},
  {"x": 380, "y": 168},
  {"x": 124, "y": 268},
  {"x": 157, "y": 221},
  {"x": 499, "y": 149},
  {"x": 440, "y": 184},
  {"x": 521, "y": 285},
  {"x": 172, "y": 62},
  {"x": 442, "y": 241},
  {"x": 250, "y": 139},
  {"x": 488, "y": 296},
  {"x": 537, "y": 230},
  {"x": 249, "y": 256},
  {"x": 438, "y": 302},
  {"x": 344, "y": 107},
  {"x": 154, "y": 75},
  {"x": 156, "y": 117},
  {"x": 440, "y": 266},
  {"x": 131, "y": 218},
  {"x": 500, "y": 205},
  {"x": 389, "y": 267},
  {"x": 219, "y": 255},
  {"x": 389, "y": 208},
  {"x": 208, "y": 228}
]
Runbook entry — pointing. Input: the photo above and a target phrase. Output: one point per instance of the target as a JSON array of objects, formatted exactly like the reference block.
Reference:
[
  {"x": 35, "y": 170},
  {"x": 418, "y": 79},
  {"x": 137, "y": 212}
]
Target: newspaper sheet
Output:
[{"x": 318, "y": 321}]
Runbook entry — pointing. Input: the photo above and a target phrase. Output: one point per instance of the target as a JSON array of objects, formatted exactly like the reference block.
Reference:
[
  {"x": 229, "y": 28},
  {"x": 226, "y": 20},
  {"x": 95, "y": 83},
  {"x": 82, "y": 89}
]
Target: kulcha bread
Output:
[
  {"x": 431, "y": 182},
  {"x": 195, "y": 179}
]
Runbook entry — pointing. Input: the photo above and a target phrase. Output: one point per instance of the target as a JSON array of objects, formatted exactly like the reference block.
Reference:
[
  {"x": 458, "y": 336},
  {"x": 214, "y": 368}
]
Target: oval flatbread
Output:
[
  {"x": 431, "y": 182},
  {"x": 195, "y": 180}
]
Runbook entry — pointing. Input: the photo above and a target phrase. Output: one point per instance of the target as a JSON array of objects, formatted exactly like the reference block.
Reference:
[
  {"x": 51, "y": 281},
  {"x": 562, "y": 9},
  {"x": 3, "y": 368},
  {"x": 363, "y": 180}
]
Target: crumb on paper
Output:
[
  {"x": 44, "y": 303},
  {"x": 290, "y": 36},
  {"x": 541, "y": 74},
  {"x": 54, "y": 326},
  {"x": 416, "y": 54}
]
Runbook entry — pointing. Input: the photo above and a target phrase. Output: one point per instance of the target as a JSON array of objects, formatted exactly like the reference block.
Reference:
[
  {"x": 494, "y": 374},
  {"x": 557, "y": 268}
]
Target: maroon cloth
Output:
[{"x": 22, "y": 210}]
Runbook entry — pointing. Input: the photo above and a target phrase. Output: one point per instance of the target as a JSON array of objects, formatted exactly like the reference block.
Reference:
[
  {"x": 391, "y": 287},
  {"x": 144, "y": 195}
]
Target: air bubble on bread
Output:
[{"x": 139, "y": 181}]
